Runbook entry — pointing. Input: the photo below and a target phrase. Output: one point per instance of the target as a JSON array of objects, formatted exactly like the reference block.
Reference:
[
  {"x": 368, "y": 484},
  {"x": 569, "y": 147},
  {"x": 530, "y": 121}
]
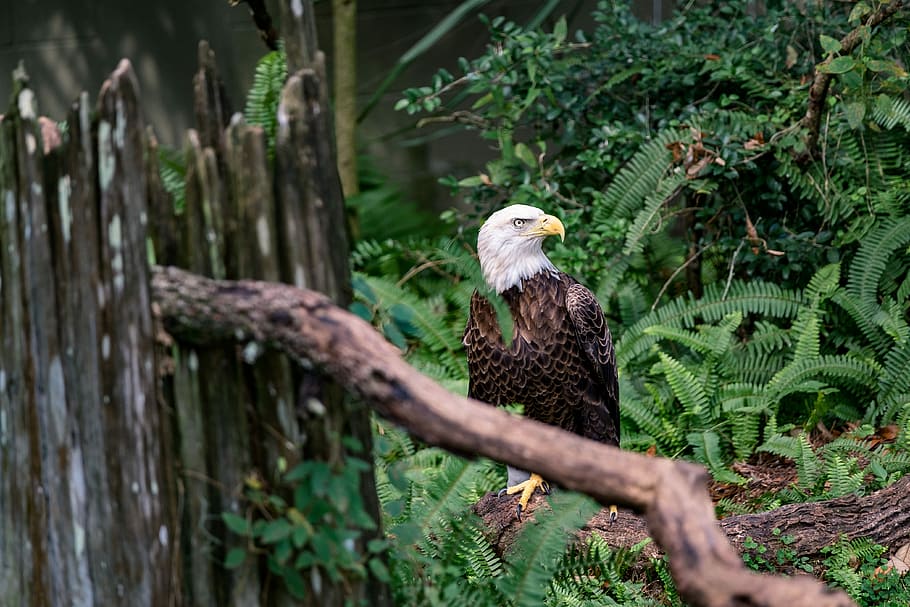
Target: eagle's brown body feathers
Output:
[{"x": 561, "y": 364}]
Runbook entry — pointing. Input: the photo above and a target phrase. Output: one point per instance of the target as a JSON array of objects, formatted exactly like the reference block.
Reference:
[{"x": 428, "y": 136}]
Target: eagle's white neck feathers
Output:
[{"x": 509, "y": 246}]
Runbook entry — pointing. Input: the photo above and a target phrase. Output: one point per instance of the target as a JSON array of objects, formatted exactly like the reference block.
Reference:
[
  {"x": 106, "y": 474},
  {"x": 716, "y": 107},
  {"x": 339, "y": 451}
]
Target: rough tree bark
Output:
[
  {"x": 883, "y": 517},
  {"x": 671, "y": 495}
]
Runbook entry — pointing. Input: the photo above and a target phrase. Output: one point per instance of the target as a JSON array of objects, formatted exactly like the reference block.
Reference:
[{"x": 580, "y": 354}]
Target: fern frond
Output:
[
  {"x": 891, "y": 111},
  {"x": 798, "y": 449},
  {"x": 754, "y": 297},
  {"x": 791, "y": 378},
  {"x": 687, "y": 389},
  {"x": 482, "y": 560},
  {"x": 665, "y": 191},
  {"x": 869, "y": 264},
  {"x": 706, "y": 447},
  {"x": 823, "y": 284},
  {"x": 427, "y": 322},
  {"x": 530, "y": 569},
  {"x": 638, "y": 179},
  {"x": 746, "y": 428},
  {"x": 265, "y": 93},
  {"x": 895, "y": 378},
  {"x": 843, "y": 476},
  {"x": 784, "y": 446}
]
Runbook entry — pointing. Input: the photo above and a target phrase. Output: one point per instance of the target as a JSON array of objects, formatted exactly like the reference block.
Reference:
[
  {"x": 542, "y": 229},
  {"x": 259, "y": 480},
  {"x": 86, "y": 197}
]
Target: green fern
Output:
[
  {"x": 265, "y": 93},
  {"x": 891, "y": 111},
  {"x": 706, "y": 447},
  {"x": 172, "y": 169},
  {"x": 869, "y": 265},
  {"x": 754, "y": 297},
  {"x": 531, "y": 566},
  {"x": 799, "y": 375},
  {"x": 421, "y": 318},
  {"x": 643, "y": 175}
]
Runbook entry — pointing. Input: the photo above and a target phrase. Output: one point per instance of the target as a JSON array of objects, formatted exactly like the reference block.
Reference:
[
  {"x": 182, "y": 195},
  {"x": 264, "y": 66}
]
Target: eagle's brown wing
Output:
[
  {"x": 601, "y": 395},
  {"x": 492, "y": 374}
]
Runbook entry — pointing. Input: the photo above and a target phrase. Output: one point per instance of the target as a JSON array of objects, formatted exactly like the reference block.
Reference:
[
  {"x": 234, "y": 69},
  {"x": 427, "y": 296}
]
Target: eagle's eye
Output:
[{"x": 518, "y": 223}]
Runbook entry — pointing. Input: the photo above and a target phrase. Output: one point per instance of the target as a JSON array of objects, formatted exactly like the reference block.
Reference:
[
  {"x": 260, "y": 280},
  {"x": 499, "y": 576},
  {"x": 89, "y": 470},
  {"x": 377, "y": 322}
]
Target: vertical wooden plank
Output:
[
  {"x": 18, "y": 570},
  {"x": 309, "y": 191},
  {"x": 298, "y": 30},
  {"x": 204, "y": 234},
  {"x": 210, "y": 101},
  {"x": 314, "y": 236},
  {"x": 214, "y": 401},
  {"x": 257, "y": 256},
  {"x": 45, "y": 396},
  {"x": 252, "y": 203},
  {"x": 74, "y": 229},
  {"x": 130, "y": 414},
  {"x": 62, "y": 442}
]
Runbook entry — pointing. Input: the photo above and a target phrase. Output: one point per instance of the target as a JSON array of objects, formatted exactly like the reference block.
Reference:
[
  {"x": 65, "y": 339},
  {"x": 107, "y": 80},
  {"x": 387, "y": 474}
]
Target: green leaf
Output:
[
  {"x": 860, "y": 10},
  {"x": 300, "y": 536},
  {"x": 829, "y": 44},
  {"x": 378, "y": 569},
  {"x": 276, "y": 531},
  {"x": 294, "y": 581},
  {"x": 856, "y": 111},
  {"x": 882, "y": 65},
  {"x": 838, "y": 65},
  {"x": 236, "y": 523},
  {"x": 524, "y": 153},
  {"x": 482, "y": 101},
  {"x": 234, "y": 558},
  {"x": 560, "y": 30},
  {"x": 470, "y": 182},
  {"x": 377, "y": 545}
]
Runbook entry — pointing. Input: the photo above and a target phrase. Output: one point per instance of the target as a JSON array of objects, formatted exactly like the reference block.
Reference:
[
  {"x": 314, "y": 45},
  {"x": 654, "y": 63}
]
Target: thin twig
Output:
[
  {"x": 732, "y": 264},
  {"x": 676, "y": 273},
  {"x": 460, "y": 116}
]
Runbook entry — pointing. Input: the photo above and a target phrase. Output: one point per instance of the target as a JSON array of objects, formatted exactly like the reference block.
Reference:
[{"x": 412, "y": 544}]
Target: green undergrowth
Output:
[
  {"x": 756, "y": 289},
  {"x": 753, "y": 295}
]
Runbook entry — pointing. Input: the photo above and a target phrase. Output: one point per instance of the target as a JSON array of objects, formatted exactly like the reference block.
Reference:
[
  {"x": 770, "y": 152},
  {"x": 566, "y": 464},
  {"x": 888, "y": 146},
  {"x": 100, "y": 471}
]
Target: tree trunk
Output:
[{"x": 344, "y": 18}]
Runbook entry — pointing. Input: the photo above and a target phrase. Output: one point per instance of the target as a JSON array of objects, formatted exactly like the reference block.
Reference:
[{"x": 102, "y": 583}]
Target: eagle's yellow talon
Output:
[{"x": 527, "y": 489}]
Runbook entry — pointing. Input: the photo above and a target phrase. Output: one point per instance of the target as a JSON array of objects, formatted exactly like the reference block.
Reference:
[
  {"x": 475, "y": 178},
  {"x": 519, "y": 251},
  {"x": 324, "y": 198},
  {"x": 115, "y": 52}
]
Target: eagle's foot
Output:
[
  {"x": 613, "y": 514},
  {"x": 527, "y": 489}
]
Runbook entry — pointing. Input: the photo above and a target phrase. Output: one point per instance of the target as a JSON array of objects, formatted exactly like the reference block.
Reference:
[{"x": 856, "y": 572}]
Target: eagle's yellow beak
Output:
[{"x": 548, "y": 225}]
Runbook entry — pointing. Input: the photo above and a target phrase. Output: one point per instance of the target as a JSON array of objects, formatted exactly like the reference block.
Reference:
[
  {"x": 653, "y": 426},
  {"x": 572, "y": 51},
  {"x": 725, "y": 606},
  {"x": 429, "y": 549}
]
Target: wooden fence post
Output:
[
  {"x": 120, "y": 450},
  {"x": 83, "y": 482}
]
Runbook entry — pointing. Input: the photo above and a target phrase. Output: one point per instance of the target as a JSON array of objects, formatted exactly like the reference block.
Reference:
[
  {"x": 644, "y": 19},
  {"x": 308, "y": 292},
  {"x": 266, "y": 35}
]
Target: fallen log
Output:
[
  {"x": 671, "y": 495},
  {"x": 805, "y": 529}
]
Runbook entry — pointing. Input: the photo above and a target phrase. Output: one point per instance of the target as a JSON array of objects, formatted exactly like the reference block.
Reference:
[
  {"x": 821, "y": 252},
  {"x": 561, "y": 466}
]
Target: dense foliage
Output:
[
  {"x": 756, "y": 283},
  {"x": 757, "y": 288}
]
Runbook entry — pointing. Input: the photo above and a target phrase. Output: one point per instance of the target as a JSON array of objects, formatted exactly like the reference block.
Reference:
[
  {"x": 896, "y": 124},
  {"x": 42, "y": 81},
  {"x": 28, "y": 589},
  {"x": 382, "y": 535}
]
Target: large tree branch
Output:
[
  {"x": 818, "y": 90},
  {"x": 671, "y": 494}
]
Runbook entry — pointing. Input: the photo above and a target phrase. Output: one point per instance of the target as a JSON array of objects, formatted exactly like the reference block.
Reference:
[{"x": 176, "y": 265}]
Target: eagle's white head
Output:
[{"x": 509, "y": 245}]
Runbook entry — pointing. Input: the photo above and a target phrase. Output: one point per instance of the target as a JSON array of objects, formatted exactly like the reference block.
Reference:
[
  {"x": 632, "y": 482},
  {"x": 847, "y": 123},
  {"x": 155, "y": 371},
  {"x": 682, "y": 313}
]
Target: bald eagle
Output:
[{"x": 561, "y": 364}]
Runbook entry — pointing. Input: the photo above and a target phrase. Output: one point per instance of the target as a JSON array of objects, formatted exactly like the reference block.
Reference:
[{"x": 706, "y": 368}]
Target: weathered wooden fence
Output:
[{"x": 118, "y": 448}]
